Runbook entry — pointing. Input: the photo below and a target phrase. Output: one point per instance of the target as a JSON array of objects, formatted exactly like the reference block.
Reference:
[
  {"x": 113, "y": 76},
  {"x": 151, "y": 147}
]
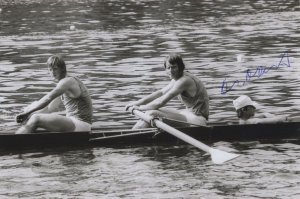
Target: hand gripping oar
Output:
[{"x": 217, "y": 156}]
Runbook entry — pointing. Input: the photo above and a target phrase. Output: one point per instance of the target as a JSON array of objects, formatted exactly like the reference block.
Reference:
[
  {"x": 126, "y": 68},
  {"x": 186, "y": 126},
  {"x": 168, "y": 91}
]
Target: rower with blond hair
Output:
[{"x": 71, "y": 93}]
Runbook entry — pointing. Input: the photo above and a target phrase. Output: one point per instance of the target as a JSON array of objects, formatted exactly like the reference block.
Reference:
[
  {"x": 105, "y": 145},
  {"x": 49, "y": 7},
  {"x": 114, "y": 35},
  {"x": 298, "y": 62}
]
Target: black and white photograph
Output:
[{"x": 150, "y": 99}]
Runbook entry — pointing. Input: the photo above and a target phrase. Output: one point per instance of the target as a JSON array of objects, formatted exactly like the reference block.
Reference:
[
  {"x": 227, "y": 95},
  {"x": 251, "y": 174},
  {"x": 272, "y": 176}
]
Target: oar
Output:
[{"x": 217, "y": 156}]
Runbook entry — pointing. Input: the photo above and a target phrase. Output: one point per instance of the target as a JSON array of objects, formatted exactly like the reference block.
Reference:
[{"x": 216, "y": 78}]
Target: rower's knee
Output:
[
  {"x": 198, "y": 120},
  {"x": 31, "y": 125},
  {"x": 153, "y": 113},
  {"x": 34, "y": 119}
]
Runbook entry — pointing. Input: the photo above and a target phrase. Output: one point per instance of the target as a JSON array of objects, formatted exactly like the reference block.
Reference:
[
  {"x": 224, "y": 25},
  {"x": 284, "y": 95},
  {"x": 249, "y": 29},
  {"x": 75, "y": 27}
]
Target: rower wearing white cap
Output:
[{"x": 245, "y": 109}]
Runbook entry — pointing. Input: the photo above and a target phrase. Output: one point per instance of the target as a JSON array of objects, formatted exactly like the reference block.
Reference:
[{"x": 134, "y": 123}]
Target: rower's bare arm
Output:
[
  {"x": 149, "y": 98},
  {"x": 168, "y": 87},
  {"x": 60, "y": 88},
  {"x": 54, "y": 106},
  {"x": 270, "y": 120},
  {"x": 175, "y": 90},
  {"x": 264, "y": 115},
  {"x": 153, "y": 96}
]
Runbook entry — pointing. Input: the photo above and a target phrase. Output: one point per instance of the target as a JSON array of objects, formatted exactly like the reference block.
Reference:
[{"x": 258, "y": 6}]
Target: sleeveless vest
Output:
[
  {"x": 198, "y": 104},
  {"x": 80, "y": 107}
]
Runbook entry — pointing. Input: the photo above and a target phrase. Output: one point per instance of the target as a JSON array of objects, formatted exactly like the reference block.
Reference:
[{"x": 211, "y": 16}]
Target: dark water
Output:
[{"x": 117, "y": 48}]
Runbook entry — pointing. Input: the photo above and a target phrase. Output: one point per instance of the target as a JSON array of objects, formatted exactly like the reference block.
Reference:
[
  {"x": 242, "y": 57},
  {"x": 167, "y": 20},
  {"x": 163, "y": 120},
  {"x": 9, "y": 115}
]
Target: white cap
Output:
[{"x": 243, "y": 101}]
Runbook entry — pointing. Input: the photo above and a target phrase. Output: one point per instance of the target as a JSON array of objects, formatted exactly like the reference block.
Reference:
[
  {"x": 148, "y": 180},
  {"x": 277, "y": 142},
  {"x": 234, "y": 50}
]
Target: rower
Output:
[
  {"x": 189, "y": 89},
  {"x": 69, "y": 92},
  {"x": 245, "y": 109}
]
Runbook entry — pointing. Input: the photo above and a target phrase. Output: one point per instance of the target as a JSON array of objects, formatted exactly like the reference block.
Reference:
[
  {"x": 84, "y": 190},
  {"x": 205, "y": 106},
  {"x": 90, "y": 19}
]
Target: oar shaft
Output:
[
  {"x": 182, "y": 136},
  {"x": 173, "y": 131},
  {"x": 217, "y": 156}
]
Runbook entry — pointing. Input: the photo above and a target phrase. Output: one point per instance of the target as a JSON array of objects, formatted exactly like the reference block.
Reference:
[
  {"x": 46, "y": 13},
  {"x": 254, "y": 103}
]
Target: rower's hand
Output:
[
  {"x": 287, "y": 118},
  {"x": 133, "y": 105},
  {"x": 127, "y": 107},
  {"x": 22, "y": 117}
]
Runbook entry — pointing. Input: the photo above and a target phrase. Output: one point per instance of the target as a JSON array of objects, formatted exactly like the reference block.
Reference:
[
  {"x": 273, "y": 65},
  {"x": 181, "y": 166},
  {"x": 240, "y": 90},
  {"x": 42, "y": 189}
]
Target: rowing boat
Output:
[{"x": 113, "y": 137}]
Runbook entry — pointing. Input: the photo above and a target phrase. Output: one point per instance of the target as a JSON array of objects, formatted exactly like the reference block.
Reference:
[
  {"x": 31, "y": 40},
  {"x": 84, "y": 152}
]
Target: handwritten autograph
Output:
[{"x": 258, "y": 72}]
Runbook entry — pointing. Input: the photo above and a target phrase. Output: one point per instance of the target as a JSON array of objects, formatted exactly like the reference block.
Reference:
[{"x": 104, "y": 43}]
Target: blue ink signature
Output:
[{"x": 258, "y": 72}]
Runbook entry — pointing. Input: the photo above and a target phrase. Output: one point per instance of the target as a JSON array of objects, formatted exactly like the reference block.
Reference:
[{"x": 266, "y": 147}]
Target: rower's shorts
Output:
[{"x": 81, "y": 125}]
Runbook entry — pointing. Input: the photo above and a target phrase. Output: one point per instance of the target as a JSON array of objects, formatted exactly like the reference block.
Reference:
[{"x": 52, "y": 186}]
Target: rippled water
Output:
[
  {"x": 263, "y": 171},
  {"x": 117, "y": 49}
]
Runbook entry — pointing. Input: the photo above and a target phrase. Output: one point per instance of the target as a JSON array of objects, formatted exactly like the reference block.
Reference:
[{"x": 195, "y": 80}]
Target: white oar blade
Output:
[{"x": 219, "y": 157}]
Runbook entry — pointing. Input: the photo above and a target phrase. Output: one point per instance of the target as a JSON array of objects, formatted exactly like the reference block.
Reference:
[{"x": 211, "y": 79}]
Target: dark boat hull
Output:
[
  {"x": 260, "y": 132},
  {"x": 44, "y": 139}
]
